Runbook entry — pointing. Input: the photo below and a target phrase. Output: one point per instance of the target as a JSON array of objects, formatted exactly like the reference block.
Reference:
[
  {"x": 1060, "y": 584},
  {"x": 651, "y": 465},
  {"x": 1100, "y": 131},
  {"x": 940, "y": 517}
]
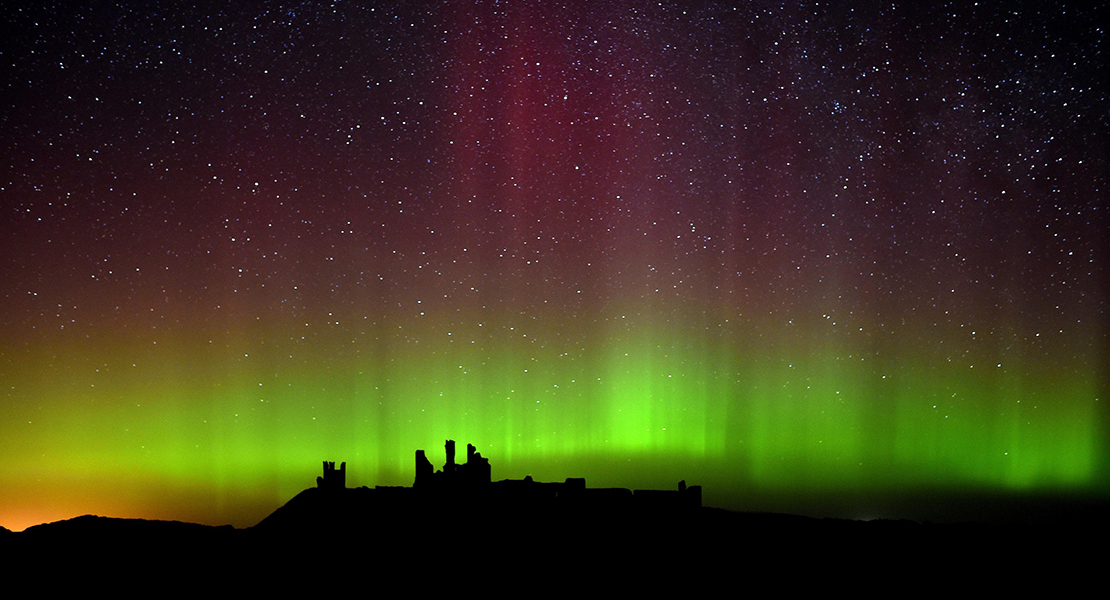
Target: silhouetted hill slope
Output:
[
  {"x": 123, "y": 529},
  {"x": 447, "y": 541},
  {"x": 665, "y": 542},
  {"x": 123, "y": 537}
]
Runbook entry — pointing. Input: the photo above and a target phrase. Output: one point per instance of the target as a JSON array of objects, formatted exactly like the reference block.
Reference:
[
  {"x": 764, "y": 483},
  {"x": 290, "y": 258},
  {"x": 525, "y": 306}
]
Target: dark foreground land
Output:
[{"x": 371, "y": 538}]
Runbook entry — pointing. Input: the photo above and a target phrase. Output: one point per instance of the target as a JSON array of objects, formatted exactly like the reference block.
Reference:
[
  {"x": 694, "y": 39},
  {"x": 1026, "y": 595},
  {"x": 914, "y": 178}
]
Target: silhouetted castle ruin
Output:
[
  {"x": 473, "y": 480},
  {"x": 333, "y": 478},
  {"x": 473, "y": 473}
]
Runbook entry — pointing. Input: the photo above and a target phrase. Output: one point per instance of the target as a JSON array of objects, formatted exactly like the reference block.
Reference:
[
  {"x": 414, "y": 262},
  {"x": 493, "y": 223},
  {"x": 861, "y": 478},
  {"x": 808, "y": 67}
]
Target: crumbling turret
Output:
[
  {"x": 333, "y": 479},
  {"x": 424, "y": 470}
]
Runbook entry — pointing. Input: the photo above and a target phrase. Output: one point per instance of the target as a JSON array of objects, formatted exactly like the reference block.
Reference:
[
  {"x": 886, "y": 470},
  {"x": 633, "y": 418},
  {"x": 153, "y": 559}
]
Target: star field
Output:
[{"x": 776, "y": 250}]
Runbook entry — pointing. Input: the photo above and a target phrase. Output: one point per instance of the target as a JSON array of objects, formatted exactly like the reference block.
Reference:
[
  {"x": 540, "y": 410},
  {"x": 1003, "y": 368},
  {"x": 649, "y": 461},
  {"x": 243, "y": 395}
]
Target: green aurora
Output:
[{"x": 150, "y": 429}]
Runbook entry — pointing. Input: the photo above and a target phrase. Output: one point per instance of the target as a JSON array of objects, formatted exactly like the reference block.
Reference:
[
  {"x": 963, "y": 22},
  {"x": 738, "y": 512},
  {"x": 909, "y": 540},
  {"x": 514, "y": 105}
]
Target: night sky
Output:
[{"x": 813, "y": 258}]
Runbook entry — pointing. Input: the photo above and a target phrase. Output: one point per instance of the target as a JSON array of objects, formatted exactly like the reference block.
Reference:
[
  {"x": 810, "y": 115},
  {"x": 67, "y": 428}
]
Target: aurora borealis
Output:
[{"x": 790, "y": 253}]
